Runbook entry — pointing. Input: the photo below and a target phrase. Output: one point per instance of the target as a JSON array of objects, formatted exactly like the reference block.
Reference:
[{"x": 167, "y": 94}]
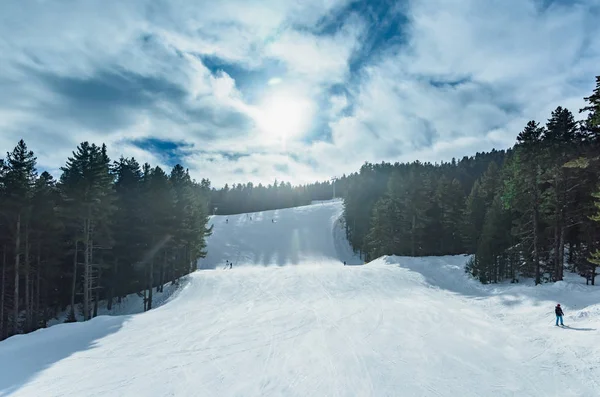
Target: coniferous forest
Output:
[
  {"x": 103, "y": 230},
  {"x": 106, "y": 229},
  {"x": 524, "y": 212},
  {"x": 249, "y": 198}
]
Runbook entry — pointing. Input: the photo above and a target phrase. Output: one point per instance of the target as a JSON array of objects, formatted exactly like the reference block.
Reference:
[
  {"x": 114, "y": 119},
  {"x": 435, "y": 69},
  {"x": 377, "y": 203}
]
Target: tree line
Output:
[
  {"x": 244, "y": 198},
  {"x": 103, "y": 230},
  {"x": 527, "y": 211}
]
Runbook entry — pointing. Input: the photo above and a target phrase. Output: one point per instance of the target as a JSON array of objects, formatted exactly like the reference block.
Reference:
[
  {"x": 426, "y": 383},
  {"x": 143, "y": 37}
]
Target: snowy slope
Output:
[
  {"x": 394, "y": 327},
  {"x": 308, "y": 234}
]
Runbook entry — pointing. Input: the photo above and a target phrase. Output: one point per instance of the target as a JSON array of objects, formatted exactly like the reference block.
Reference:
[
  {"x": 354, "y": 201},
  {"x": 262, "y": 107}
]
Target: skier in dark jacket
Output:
[{"x": 559, "y": 314}]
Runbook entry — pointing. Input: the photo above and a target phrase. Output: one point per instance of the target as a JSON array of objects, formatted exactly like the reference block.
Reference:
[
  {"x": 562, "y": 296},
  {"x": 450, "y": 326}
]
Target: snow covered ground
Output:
[
  {"x": 131, "y": 304},
  {"x": 302, "y": 235},
  {"x": 393, "y": 327}
]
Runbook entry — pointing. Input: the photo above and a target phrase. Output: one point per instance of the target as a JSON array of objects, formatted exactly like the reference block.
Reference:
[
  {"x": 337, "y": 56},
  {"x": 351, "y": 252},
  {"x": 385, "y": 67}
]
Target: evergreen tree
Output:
[
  {"x": 560, "y": 139},
  {"x": 160, "y": 221},
  {"x": 479, "y": 200},
  {"x": 450, "y": 199},
  {"x": 492, "y": 264},
  {"x": 46, "y": 232},
  {"x": 19, "y": 178},
  {"x": 128, "y": 228},
  {"x": 591, "y": 126},
  {"x": 521, "y": 194},
  {"x": 87, "y": 193},
  {"x": 594, "y": 258}
]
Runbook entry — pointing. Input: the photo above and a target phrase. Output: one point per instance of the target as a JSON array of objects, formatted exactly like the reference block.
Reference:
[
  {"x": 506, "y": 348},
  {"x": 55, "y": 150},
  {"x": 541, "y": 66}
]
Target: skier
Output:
[
  {"x": 226, "y": 264},
  {"x": 559, "y": 314},
  {"x": 227, "y": 220},
  {"x": 231, "y": 265}
]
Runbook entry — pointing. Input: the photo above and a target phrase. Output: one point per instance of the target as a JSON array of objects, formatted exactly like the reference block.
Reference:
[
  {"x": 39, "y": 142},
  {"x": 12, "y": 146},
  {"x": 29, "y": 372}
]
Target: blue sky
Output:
[{"x": 299, "y": 91}]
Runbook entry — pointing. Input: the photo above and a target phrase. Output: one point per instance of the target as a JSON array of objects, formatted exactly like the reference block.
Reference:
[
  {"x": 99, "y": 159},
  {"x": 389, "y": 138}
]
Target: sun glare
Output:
[{"x": 283, "y": 117}]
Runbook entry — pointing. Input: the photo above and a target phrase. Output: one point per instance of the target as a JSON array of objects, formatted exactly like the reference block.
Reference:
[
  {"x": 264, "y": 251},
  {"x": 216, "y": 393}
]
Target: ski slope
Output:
[
  {"x": 308, "y": 234},
  {"x": 293, "y": 321}
]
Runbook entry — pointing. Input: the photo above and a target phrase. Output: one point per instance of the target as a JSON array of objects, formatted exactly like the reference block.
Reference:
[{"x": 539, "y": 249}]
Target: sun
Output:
[{"x": 283, "y": 116}]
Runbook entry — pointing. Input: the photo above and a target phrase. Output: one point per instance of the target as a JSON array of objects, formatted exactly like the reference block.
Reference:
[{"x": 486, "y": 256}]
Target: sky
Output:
[{"x": 301, "y": 90}]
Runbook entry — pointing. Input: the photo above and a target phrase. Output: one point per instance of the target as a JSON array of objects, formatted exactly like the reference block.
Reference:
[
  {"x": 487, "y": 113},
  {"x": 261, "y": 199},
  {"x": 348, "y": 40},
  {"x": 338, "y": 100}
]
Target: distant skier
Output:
[
  {"x": 230, "y": 265},
  {"x": 559, "y": 314},
  {"x": 227, "y": 220},
  {"x": 272, "y": 220},
  {"x": 226, "y": 264}
]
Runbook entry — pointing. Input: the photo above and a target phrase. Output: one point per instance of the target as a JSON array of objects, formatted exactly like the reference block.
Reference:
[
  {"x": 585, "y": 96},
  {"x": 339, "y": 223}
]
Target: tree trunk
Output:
[
  {"x": 561, "y": 252},
  {"x": 162, "y": 271},
  {"x": 145, "y": 289},
  {"x": 570, "y": 258},
  {"x": 96, "y": 299},
  {"x": 86, "y": 270},
  {"x": 159, "y": 275},
  {"x": 27, "y": 325},
  {"x": 74, "y": 282},
  {"x": 92, "y": 287},
  {"x": 46, "y": 310},
  {"x": 17, "y": 259},
  {"x": 38, "y": 282},
  {"x": 412, "y": 235},
  {"x": 536, "y": 216},
  {"x": 190, "y": 260},
  {"x": 2, "y": 292},
  {"x": 557, "y": 232},
  {"x": 111, "y": 290},
  {"x": 150, "y": 283}
]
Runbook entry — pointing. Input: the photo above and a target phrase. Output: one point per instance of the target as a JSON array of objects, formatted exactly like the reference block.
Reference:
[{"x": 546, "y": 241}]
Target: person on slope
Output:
[{"x": 559, "y": 314}]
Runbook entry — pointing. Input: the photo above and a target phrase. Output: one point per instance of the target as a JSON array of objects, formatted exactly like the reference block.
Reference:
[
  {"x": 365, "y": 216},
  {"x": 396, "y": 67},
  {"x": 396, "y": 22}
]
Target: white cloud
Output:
[
  {"x": 517, "y": 63},
  {"x": 514, "y": 60},
  {"x": 312, "y": 58}
]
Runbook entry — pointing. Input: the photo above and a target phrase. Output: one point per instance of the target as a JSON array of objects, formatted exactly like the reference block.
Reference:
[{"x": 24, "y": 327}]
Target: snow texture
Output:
[
  {"x": 311, "y": 234},
  {"x": 393, "y": 327},
  {"x": 131, "y": 304}
]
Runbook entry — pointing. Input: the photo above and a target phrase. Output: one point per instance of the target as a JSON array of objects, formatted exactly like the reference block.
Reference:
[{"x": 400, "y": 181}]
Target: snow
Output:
[
  {"x": 130, "y": 304},
  {"x": 301, "y": 235},
  {"x": 290, "y": 320}
]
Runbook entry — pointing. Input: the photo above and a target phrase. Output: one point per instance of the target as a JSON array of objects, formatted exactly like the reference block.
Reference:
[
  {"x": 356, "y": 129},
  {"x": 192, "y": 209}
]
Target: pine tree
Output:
[
  {"x": 414, "y": 194},
  {"x": 594, "y": 259},
  {"x": 478, "y": 201},
  {"x": 47, "y": 231},
  {"x": 159, "y": 199},
  {"x": 19, "y": 178},
  {"x": 450, "y": 199},
  {"x": 128, "y": 229},
  {"x": 490, "y": 266},
  {"x": 591, "y": 127},
  {"x": 474, "y": 217},
  {"x": 559, "y": 139},
  {"x": 86, "y": 186},
  {"x": 521, "y": 194},
  {"x": 385, "y": 233},
  {"x": 4, "y": 247}
]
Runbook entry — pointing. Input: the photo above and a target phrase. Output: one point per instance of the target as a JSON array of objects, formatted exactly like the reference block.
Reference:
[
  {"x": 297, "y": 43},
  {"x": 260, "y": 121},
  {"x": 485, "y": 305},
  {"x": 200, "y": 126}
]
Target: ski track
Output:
[{"x": 289, "y": 320}]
